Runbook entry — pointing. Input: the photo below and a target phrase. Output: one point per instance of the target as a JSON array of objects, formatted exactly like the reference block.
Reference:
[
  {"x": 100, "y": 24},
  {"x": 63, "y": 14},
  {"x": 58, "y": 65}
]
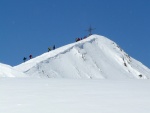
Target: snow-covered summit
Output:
[
  {"x": 8, "y": 71},
  {"x": 95, "y": 57}
]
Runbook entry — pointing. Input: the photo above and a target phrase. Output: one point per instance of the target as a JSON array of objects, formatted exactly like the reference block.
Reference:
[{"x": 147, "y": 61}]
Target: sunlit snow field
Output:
[
  {"x": 33, "y": 95},
  {"x": 93, "y": 75}
]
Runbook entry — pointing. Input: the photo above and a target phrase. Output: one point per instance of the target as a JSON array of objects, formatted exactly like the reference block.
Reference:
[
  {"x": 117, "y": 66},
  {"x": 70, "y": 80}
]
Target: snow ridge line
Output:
[{"x": 53, "y": 54}]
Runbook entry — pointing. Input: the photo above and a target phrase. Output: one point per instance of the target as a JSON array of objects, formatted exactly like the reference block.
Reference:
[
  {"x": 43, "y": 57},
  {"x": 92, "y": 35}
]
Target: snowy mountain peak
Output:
[
  {"x": 95, "y": 57},
  {"x": 8, "y": 71}
]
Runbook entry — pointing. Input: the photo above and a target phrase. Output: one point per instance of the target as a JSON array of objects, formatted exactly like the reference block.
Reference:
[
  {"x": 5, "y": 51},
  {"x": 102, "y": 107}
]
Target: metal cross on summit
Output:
[{"x": 90, "y": 30}]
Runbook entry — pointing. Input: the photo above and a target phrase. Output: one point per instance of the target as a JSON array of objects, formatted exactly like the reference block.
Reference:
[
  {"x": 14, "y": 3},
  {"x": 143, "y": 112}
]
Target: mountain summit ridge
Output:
[{"x": 95, "y": 57}]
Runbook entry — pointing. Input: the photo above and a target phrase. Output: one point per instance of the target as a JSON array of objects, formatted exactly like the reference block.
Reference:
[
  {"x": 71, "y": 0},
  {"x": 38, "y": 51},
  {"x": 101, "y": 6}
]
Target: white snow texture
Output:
[
  {"x": 95, "y": 57},
  {"x": 93, "y": 75}
]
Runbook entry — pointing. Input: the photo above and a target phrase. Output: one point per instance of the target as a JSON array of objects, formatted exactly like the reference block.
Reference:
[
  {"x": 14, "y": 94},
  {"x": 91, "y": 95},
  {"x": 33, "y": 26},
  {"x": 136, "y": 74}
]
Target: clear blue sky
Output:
[{"x": 31, "y": 26}]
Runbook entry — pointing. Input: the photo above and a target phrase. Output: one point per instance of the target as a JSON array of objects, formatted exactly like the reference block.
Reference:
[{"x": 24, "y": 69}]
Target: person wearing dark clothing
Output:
[
  {"x": 78, "y": 39},
  {"x": 24, "y": 59},
  {"x": 54, "y": 47},
  {"x": 49, "y": 49},
  {"x": 30, "y": 56}
]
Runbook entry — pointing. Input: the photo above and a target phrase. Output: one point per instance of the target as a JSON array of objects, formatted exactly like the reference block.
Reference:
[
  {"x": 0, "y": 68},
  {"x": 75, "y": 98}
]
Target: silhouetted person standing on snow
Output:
[
  {"x": 49, "y": 49},
  {"x": 54, "y": 47},
  {"x": 30, "y": 56},
  {"x": 24, "y": 59}
]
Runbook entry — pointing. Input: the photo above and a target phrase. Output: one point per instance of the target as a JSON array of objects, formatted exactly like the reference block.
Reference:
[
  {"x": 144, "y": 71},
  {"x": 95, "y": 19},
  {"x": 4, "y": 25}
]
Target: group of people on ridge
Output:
[
  {"x": 78, "y": 39},
  {"x": 30, "y": 56},
  {"x": 53, "y": 48}
]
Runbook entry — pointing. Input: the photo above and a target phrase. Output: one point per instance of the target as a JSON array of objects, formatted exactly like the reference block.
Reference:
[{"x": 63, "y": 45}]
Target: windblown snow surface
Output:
[
  {"x": 90, "y": 76},
  {"x": 8, "y": 71},
  {"x": 33, "y": 95},
  {"x": 95, "y": 57}
]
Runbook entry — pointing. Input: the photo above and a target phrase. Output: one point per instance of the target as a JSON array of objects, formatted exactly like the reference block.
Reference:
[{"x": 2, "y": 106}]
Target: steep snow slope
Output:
[
  {"x": 8, "y": 71},
  {"x": 95, "y": 57}
]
